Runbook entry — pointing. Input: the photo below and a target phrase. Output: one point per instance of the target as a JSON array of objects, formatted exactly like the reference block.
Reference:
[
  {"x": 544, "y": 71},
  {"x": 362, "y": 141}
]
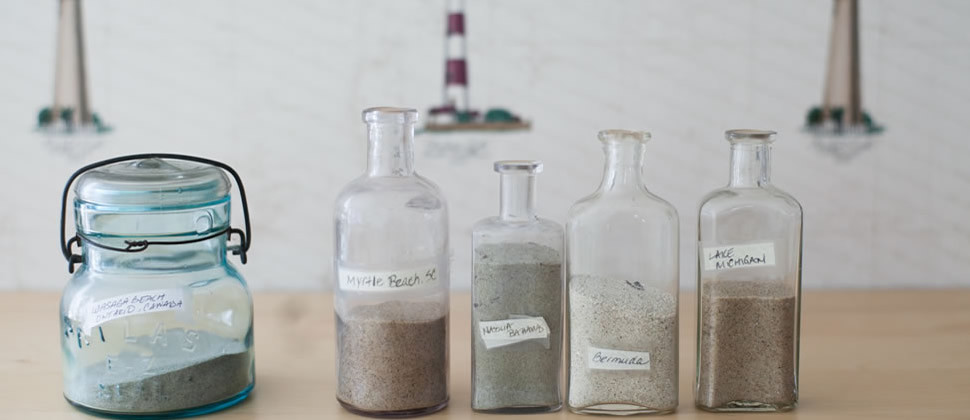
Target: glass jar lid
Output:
[
  {"x": 152, "y": 183},
  {"x": 130, "y": 203}
]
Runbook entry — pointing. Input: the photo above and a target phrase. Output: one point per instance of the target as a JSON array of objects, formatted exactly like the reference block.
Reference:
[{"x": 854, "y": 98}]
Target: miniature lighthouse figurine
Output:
[
  {"x": 72, "y": 103},
  {"x": 456, "y": 67}
]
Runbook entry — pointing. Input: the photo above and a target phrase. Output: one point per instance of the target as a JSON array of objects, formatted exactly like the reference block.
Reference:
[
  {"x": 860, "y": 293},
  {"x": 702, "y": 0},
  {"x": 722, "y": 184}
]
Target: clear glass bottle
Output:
[
  {"x": 516, "y": 301},
  {"x": 749, "y": 286},
  {"x": 622, "y": 288},
  {"x": 156, "y": 322},
  {"x": 391, "y": 260}
]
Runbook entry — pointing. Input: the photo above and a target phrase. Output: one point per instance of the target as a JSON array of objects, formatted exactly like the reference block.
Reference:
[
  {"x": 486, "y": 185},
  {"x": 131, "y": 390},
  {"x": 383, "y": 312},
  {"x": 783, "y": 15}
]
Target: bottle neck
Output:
[
  {"x": 624, "y": 165},
  {"x": 390, "y": 149},
  {"x": 517, "y": 197},
  {"x": 157, "y": 258},
  {"x": 750, "y": 165}
]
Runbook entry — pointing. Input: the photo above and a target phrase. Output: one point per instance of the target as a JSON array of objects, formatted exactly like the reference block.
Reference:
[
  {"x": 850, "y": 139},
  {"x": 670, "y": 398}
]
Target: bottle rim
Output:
[
  {"x": 747, "y": 135},
  {"x": 612, "y": 135},
  {"x": 518, "y": 166},
  {"x": 390, "y": 115}
]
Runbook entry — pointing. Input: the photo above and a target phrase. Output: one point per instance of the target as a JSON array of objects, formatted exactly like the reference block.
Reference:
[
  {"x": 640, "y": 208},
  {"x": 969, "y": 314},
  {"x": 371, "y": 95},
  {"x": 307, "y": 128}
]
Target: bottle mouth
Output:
[
  {"x": 614, "y": 135},
  {"x": 390, "y": 115},
  {"x": 518, "y": 166},
  {"x": 750, "y": 136}
]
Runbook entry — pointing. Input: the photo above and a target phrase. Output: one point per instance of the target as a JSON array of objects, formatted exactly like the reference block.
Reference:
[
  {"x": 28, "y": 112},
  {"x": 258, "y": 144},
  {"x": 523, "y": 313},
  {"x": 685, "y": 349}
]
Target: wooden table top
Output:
[{"x": 865, "y": 355}]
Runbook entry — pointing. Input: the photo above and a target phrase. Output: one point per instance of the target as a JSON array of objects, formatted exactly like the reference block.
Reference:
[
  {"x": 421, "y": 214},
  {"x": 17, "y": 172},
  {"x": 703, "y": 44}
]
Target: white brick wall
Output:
[{"x": 275, "y": 89}]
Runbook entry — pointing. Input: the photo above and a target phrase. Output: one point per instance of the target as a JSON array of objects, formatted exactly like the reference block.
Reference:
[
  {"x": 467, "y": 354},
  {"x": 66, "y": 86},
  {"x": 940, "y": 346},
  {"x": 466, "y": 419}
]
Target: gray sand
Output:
[
  {"x": 171, "y": 380},
  {"x": 393, "y": 356},
  {"x": 747, "y": 354},
  {"x": 526, "y": 280},
  {"x": 614, "y": 314}
]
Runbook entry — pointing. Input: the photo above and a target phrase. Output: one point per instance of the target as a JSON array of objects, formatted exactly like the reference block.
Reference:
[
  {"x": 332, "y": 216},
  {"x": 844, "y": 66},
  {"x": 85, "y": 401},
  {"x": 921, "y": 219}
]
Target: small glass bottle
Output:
[
  {"x": 516, "y": 301},
  {"x": 391, "y": 269},
  {"x": 155, "y": 322},
  {"x": 749, "y": 286},
  {"x": 622, "y": 275}
]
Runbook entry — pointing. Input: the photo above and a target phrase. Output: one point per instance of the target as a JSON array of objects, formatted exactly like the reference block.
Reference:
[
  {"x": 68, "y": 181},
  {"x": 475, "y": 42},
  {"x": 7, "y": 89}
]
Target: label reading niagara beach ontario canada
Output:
[
  {"x": 607, "y": 359},
  {"x": 149, "y": 301},
  {"x": 388, "y": 281},
  {"x": 510, "y": 331},
  {"x": 739, "y": 256}
]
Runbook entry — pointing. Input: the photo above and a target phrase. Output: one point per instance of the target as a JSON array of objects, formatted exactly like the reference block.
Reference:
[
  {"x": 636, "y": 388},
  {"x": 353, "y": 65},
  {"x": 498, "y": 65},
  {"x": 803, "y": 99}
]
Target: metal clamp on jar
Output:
[{"x": 156, "y": 321}]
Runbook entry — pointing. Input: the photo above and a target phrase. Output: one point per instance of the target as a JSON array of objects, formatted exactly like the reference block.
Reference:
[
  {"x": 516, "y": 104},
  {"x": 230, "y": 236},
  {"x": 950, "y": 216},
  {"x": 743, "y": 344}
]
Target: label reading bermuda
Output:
[
  {"x": 608, "y": 359},
  {"x": 388, "y": 280}
]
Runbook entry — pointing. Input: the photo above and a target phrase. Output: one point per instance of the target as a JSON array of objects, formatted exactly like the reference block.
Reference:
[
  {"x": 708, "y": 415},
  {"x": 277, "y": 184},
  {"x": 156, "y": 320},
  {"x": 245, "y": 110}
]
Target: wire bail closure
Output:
[{"x": 245, "y": 237}]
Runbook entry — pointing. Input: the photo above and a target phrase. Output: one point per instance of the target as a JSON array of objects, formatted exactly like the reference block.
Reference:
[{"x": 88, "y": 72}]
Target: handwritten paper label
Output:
[
  {"x": 739, "y": 256},
  {"x": 607, "y": 359},
  {"x": 388, "y": 281},
  {"x": 149, "y": 301},
  {"x": 510, "y": 331}
]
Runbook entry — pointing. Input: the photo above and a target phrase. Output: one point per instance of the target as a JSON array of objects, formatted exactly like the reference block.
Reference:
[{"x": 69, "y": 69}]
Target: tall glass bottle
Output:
[
  {"x": 622, "y": 270},
  {"x": 516, "y": 301},
  {"x": 749, "y": 286},
  {"x": 391, "y": 269}
]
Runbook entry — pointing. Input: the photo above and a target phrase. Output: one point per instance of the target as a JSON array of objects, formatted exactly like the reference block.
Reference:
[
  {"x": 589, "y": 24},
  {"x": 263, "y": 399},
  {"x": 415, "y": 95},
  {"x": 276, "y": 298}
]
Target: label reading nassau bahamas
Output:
[
  {"x": 607, "y": 359},
  {"x": 388, "y": 280},
  {"x": 510, "y": 331},
  {"x": 149, "y": 301},
  {"x": 726, "y": 257}
]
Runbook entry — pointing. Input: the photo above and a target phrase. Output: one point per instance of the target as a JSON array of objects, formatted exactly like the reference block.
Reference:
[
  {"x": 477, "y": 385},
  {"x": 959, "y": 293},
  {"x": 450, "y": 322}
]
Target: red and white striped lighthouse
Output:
[{"x": 456, "y": 65}]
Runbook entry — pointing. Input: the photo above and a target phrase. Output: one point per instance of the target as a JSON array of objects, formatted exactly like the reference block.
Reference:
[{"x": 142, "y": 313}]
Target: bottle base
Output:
[
  {"x": 620, "y": 410},
  {"x": 188, "y": 412},
  {"x": 521, "y": 409},
  {"x": 749, "y": 406},
  {"x": 393, "y": 413}
]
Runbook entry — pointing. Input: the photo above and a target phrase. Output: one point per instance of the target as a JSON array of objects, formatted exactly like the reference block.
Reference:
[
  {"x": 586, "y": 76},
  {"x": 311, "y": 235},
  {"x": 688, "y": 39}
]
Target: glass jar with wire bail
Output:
[
  {"x": 155, "y": 321},
  {"x": 517, "y": 301}
]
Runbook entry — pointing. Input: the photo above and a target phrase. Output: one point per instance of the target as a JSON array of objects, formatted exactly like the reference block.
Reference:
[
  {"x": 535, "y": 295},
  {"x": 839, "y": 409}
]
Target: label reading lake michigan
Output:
[
  {"x": 739, "y": 256},
  {"x": 149, "y": 301},
  {"x": 510, "y": 331},
  {"x": 389, "y": 280},
  {"x": 607, "y": 359}
]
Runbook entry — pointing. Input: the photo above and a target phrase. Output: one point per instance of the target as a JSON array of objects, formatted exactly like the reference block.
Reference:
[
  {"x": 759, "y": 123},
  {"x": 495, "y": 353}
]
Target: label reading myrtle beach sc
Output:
[
  {"x": 510, "y": 331},
  {"x": 149, "y": 301},
  {"x": 739, "y": 256},
  {"x": 389, "y": 280},
  {"x": 607, "y": 359}
]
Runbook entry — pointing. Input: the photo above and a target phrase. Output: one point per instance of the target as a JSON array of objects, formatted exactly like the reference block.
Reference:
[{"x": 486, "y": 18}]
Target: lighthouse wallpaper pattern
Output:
[{"x": 276, "y": 88}]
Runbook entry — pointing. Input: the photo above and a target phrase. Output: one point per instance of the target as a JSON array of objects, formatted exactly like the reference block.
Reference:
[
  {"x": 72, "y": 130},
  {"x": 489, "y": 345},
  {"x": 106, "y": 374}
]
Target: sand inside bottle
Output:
[
  {"x": 393, "y": 357},
  {"x": 747, "y": 354},
  {"x": 169, "y": 379},
  {"x": 618, "y": 314},
  {"x": 517, "y": 279}
]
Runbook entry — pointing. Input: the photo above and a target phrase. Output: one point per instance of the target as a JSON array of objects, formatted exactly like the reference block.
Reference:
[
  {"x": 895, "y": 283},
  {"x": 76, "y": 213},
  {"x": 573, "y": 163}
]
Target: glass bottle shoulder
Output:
[
  {"x": 496, "y": 223},
  {"x": 373, "y": 193},
  {"x": 765, "y": 198},
  {"x": 641, "y": 205},
  {"x": 494, "y": 229},
  {"x": 538, "y": 236}
]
